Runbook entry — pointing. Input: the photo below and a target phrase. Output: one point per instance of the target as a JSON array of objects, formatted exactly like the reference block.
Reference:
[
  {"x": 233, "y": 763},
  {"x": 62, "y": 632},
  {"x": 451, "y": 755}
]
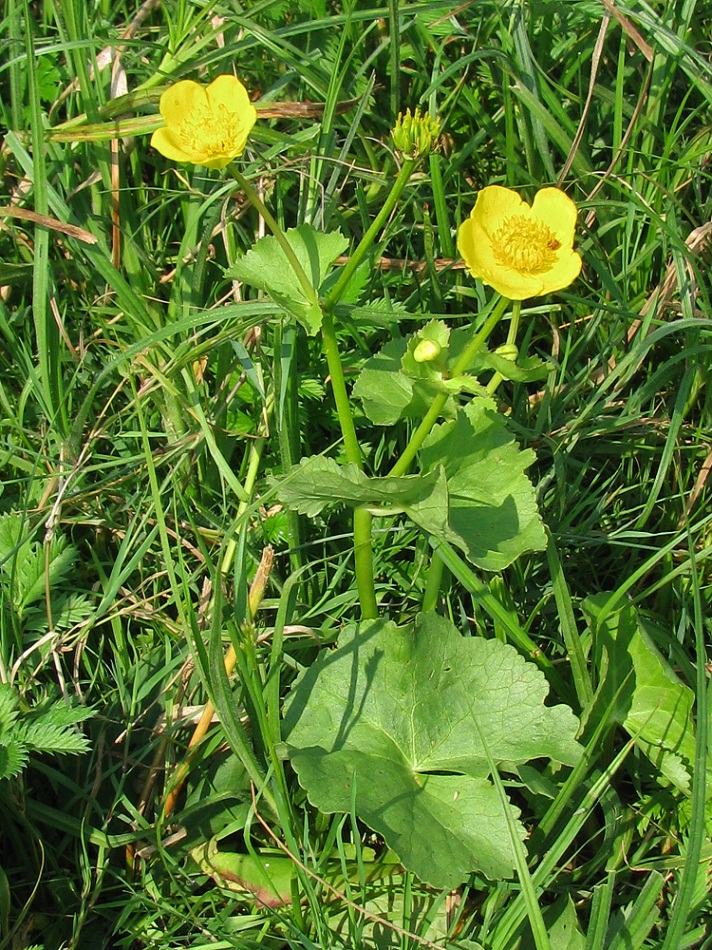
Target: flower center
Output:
[
  {"x": 525, "y": 244},
  {"x": 210, "y": 131}
]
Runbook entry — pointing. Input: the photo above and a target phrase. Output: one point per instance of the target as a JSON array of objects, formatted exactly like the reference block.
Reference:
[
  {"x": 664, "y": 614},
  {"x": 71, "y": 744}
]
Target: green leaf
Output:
[
  {"x": 396, "y": 719},
  {"x": 267, "y": 267},
  {"x": 48, "y": 79},
  {"x": 48, "y": 737},
  {"x": 317, "y": 482},
  {"x": 563, "y": 926},
  {"x": 11, "y": 273},
  {"x": 8, "y": 709},
  {"x": 267, "y": 877},
  {"x": 649, "y": 699},
  {"x": 387, "y": 393},
  {"x": 492, "y": 502},
  {"x": 22, "y": 562},
  {"x": 48, "y": 727},
  {"x": 475, "y": 494},
  {"x": 13, "y": 758}
]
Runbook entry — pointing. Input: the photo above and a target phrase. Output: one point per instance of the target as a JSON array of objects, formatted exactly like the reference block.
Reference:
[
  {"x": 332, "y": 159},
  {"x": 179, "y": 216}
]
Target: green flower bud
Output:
[
  {"x": 426, "y": 351},
  {"x": 509, "y": 351},
  {"x": 415, "y": 136}
]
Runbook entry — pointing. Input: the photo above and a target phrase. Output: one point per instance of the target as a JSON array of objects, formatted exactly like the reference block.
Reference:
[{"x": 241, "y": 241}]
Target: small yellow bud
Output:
[
  {"x": 415, "y": 136},
  {"x": 426, "y": 351}
]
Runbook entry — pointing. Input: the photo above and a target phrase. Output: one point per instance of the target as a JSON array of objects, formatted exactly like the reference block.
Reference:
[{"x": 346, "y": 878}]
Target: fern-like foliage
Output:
[
  {"x": 48, "y": 727},
  {"x": 22, "y": 562},
  {"x": 26, "y": 568}
]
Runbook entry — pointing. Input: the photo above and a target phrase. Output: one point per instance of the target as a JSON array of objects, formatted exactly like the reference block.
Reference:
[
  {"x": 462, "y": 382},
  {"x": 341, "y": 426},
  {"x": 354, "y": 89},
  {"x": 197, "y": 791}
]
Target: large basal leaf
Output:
[
  {"x": 267, "y": 267},
  {"x": 492, "y": 502},
  {"x": 397, "y": 718}
]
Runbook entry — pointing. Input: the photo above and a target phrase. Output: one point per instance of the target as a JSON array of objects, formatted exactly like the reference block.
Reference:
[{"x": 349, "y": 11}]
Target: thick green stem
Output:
[
  {"x": 370, "y": 236},
  {"x": 432, "y": 585},
  {"x": 363, "y": 564},
  {"x": 363, "y": 552},
  {"x": 338, "y": 387},
  {"x": 433, "y": 414},
  {"x": 363, "y": 548}
]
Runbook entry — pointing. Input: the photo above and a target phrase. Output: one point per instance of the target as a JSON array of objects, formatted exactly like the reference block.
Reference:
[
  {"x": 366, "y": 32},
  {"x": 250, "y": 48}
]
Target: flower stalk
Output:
[
  {"x": 364, "y": 245},
  {"x": 438, "y": 404},
  {"x": 271, "y": 222},
  {"x": 497, "y": 378}
]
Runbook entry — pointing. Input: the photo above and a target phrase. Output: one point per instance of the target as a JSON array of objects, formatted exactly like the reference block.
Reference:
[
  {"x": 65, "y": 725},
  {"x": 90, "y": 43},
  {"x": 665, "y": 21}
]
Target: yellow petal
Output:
[
  {"x": 171, "y": 147},
  {"x": 180, "y": 99},
  {"x": 220, "y": 162},
  {"x": 558, "y": 211},
  {"x": 473, "y": 243},
  {"x": 564, "y": 272},
  {"x": 229, "y": 92},
  {"x": 494, "y": 203},
  {"x": 514, "y": 284}
]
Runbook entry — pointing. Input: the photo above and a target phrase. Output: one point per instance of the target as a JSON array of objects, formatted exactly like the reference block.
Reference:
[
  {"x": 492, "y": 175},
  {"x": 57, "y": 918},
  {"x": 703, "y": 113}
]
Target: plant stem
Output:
[
  {"x": 363, "y": 520},
  {"x": 433, "y": 414},
  {"x": 369, "y": 237},
  {"x": 338, "y": 386},
  {"x": 363, "y": 551},
  {"x": 432, "y": 585},
  {"x": 497, "y": 378},
  {"x": 363, "y": 548},
  {"x": 480, "y": 337}
]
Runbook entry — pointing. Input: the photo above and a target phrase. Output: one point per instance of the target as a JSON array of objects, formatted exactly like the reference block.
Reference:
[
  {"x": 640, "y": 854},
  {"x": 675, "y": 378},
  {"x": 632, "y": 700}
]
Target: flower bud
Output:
[
  {"x": 508, "y": 351},
  {"x": 426, "y": 351},
  {"x": 415, "y": 136}
]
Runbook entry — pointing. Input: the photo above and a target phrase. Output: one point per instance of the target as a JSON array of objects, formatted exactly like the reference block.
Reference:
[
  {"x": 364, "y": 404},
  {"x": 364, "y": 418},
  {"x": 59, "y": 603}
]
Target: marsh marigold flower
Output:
[
  {"x": 519, "y": 250},
  {"x": 205, "y": 125}
]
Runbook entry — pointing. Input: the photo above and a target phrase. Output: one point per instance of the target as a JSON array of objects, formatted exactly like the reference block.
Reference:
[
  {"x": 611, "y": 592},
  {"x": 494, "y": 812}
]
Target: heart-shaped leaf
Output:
[{"x": 399, "y": 720}]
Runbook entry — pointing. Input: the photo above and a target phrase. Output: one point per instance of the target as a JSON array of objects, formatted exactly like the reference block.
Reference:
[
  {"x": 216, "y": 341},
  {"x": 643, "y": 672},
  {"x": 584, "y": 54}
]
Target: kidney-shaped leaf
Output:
[{"x": 401, "y": 718}]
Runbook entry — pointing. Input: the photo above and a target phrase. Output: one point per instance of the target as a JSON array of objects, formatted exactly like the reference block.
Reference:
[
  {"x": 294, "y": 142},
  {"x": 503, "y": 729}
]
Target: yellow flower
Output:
[
  {"x": 205, "y": 126},
  {"x": 519, "y": 250}
]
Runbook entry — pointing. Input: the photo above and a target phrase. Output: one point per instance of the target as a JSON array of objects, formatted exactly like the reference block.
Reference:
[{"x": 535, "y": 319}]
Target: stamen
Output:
[
  {"x": 525, "y": 244},
  {"x": 212, "y": 132}
]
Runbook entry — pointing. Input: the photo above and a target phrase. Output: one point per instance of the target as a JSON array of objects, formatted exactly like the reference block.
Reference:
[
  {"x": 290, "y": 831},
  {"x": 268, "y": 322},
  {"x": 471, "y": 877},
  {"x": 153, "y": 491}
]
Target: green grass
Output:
[{"x": 147, "y": 402}]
